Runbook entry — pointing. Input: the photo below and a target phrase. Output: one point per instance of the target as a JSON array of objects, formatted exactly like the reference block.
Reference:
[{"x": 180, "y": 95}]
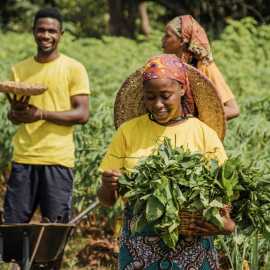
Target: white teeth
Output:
[{"x": 46, "y": 44}]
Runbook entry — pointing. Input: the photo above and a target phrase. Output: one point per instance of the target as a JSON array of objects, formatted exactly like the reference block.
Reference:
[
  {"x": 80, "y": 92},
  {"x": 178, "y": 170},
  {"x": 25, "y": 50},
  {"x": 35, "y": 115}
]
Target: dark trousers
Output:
[{"x": 46, "y": 186}]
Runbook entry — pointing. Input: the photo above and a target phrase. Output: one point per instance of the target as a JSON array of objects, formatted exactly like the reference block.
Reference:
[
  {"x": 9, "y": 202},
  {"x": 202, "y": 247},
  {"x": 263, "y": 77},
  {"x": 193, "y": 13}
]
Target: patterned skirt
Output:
[{"x": 146, "y": 251}]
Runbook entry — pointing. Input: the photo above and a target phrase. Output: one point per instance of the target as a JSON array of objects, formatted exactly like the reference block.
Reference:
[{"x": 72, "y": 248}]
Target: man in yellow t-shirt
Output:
[{"x": 43, "y": 158}]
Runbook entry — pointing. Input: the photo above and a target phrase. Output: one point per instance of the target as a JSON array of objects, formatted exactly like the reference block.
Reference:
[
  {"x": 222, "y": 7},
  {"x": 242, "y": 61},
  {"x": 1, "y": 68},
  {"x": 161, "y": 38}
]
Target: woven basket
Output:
[
  {"x": 186, "y": 218},
  {"x": 129, "y": 100},
  {"x": 21, "y": 88}
]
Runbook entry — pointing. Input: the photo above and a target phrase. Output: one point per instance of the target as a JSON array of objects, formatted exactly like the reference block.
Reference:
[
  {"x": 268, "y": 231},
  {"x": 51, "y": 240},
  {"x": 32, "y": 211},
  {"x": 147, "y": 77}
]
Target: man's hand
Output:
[
  {"x": 22, "y": 112},
  {"x": 19, "y": 104},
  {"x": 12, "y": 119},
  {"x": 28, "y": 115}
]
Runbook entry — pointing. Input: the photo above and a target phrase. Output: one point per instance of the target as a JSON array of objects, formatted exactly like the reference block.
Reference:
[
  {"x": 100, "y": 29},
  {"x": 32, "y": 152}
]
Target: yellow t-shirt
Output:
[
  {"x": 137, "y": 138},
  {"x": 43, "y": 142},
  {"x": 212, "y": 72}
]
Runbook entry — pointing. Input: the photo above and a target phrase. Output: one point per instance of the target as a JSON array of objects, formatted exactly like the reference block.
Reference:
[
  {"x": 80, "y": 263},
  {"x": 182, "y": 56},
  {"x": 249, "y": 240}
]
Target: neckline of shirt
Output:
[
  {"x": 50, "y": 62},
  {"x": 168, "y": 127}
]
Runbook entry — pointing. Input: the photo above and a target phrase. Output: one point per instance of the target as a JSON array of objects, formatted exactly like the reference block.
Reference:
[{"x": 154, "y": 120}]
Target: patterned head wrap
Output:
[
  {"x": 169, "y": 66},
  {"x": 192, "y": 33}
]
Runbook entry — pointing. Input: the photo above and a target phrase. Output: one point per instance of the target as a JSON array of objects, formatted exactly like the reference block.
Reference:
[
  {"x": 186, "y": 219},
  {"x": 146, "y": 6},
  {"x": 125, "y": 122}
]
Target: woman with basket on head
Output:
[
  {"x": 185, "y": 37},
  {"x": 157, "y": 103}
]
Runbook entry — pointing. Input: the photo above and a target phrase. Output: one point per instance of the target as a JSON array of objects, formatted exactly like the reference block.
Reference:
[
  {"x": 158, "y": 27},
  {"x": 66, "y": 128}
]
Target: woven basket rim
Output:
[{"x": 22, "y": 88}]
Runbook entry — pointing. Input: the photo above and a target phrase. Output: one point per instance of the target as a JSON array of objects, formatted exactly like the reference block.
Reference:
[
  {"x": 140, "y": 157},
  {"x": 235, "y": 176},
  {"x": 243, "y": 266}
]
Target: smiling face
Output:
[
  {"x": 47, "y": 33},
  {"x": 162, "y": 98}
]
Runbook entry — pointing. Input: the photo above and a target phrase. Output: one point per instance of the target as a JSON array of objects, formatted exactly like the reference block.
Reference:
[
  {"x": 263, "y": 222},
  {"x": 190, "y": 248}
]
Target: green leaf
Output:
[
  {"x": 138, "y": 225},
  {"x": 154, "y": 209},
  {"x": 138, "y": 207},
  {"x": 161, "y": 195},
  {"x": 131, "y": 194},
  {"x": 216, "y": 204},
  {"x": 183, "y": 182},
  {"x": 171, "y": 239},
  {"x": 178, "y": 195},
  {"x": 213, "y": 216}
]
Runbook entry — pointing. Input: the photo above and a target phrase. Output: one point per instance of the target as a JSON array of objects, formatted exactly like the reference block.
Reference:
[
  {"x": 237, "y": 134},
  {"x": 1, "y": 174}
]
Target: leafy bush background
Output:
[{"x": 242, "y": 52}]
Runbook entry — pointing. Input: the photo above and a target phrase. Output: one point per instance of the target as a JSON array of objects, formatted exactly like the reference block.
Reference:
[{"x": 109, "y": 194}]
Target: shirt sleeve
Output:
[
  {"x": 214, "y": 148},
  {"x": 215, "y": 76},
  {"x": 114, "y": 158},
  {"x": 79, "y": 83}
]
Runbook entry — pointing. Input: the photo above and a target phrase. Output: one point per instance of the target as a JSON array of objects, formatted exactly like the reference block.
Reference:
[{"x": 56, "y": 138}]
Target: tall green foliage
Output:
[
  {"x": 247, "y": 47},
  {"x": 91, "y": 18},
  {"x": 242, "y": 53},
  {"x": 85, "y": 17}
]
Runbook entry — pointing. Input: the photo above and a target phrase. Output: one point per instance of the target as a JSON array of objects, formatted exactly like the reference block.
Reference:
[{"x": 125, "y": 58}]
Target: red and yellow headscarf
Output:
[
  {"x": 192, "y": 33},
  {"x": 169, "y": 66}
]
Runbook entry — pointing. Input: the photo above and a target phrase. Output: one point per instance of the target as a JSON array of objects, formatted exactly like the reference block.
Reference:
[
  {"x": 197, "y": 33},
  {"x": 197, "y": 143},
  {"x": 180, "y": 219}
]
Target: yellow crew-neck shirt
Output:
[
  {"x": 43, "y": 142},
  {"x": 137, "y": 138}
]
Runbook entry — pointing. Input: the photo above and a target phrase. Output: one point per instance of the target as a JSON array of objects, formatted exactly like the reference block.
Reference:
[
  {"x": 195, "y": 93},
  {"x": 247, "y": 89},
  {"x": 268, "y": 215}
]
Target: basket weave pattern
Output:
[
  {"x": 186, "y": 218},
  {"x": 21, "y": 88}
]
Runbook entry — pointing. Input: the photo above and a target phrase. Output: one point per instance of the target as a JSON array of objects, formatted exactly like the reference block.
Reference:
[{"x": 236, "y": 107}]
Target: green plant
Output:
[{"x": 241, "y": 52}]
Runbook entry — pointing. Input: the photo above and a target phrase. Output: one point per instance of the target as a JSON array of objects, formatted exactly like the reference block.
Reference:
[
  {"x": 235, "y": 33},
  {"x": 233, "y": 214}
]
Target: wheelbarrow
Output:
[{"x": 33, "y": 246}]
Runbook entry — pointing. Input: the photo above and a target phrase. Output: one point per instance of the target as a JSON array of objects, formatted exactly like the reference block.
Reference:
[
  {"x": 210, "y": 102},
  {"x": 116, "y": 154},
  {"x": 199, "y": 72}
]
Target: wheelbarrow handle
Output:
[{"x": 78, "y": 218}]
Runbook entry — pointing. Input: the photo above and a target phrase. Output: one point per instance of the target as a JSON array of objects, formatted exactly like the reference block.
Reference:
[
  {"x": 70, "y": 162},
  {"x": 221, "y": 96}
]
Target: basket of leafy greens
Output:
[{"x": 173, "y": 185}]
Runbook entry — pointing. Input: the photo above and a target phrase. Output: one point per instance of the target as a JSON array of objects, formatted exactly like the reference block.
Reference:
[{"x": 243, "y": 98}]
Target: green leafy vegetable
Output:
[{"x": 173, "y": 180}]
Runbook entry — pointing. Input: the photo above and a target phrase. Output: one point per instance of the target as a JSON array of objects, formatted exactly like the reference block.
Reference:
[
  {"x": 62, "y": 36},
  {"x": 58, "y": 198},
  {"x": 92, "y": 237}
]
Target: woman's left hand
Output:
[
  {"x": 229, "y": 224},
  {"x": 202, "y": 227}
]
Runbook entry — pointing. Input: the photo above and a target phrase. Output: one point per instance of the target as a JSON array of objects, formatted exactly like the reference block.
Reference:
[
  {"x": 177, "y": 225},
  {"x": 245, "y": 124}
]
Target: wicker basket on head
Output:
[
  {"x": 129, "y": 100},
  {"x": 21, "y": 88}
]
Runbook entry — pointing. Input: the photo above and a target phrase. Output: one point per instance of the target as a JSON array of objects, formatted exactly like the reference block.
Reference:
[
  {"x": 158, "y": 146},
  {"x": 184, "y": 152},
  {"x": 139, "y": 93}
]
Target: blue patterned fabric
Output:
[{"x": 147, "y": 251}]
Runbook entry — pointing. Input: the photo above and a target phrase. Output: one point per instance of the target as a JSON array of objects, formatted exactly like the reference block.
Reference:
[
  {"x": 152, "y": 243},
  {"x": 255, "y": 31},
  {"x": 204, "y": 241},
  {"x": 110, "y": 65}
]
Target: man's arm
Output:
[{"x": 79, "y": 114}]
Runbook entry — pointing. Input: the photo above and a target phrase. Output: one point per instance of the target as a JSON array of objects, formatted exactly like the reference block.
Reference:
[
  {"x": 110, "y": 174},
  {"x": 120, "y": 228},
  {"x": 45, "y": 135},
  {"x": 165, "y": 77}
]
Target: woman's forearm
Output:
[{"x": 231, "y": 109}]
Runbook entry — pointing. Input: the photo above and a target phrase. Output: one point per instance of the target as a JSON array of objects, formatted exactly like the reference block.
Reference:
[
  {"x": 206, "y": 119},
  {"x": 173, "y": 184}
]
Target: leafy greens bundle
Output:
[{"x": 174, "y": 180}]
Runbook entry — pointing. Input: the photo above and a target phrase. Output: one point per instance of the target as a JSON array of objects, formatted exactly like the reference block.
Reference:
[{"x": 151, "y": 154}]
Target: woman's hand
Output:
[
  {"x": 201, "y": 227},
  {"x": 108, "y": 192},
  {"x": 229, "y": 224},
  {"x": 110, "y": 180}
]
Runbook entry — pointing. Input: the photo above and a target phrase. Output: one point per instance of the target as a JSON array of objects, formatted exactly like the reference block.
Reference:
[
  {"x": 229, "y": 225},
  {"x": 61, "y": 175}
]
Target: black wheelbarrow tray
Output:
[{"x": 30, "y": 245}]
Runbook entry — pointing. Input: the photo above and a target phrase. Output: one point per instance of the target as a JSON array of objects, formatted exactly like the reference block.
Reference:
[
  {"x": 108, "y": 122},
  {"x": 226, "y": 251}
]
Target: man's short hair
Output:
[{"x": 49, "y": 12}]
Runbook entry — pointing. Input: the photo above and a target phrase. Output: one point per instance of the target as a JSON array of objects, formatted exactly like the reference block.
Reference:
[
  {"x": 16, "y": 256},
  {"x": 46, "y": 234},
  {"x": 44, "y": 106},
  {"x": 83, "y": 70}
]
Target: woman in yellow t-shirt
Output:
[
  {"x": 165, "y": 84},
  {"x": 187, "y": 39}
]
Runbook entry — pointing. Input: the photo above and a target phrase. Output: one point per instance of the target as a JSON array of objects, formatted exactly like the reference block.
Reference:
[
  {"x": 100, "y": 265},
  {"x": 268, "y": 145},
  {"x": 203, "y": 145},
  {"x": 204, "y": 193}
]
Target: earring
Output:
[{"x": 151, "y": 116}]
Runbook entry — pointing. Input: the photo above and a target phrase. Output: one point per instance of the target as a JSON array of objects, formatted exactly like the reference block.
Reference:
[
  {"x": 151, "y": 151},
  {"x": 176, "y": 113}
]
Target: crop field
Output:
[{"x": 242, "y": 53}]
